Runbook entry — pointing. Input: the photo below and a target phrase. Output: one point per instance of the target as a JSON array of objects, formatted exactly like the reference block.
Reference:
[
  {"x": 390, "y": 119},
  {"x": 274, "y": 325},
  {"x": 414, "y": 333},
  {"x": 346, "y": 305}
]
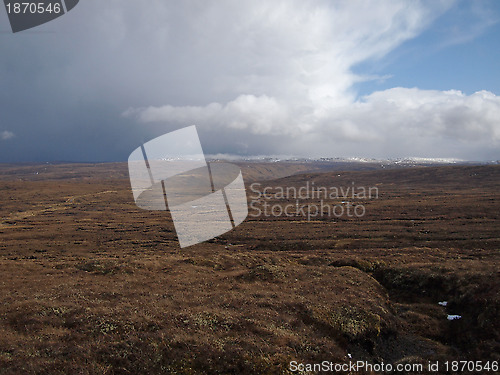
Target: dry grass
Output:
[{"x": 93, "y": 285}]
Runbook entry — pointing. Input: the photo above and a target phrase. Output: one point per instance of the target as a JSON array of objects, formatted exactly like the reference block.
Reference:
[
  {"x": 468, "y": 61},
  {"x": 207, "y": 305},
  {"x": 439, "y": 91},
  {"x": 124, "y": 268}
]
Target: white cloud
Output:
[
  {"x": 4, "y": 135},
  {"x": 288, "y": 72},
  {"x": 430, "y": 113},
  {"x": 297, "y": 51},
  {"x": 406, "y": 121},
  {"x": 259, "y": 115}
]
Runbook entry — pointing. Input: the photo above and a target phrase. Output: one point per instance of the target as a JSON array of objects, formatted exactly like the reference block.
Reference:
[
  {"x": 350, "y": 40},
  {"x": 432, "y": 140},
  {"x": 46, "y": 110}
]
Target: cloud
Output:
[
  {"x": 406, "y": 121},
  {"x": 431, "y": 113},
  {"x": 289, "y": 74},
  {"x": 255, "y": 76},
  {"x": 4, "y": 135},
  {"x": 259, "y": 115}
]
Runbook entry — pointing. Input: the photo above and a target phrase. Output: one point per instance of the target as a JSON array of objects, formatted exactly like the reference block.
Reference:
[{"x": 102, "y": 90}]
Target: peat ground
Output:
[{"x": 91, "y": 284}]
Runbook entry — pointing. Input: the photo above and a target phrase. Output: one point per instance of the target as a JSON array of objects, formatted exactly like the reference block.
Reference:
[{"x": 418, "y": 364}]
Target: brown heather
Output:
[{"x": 90, "y": 284}]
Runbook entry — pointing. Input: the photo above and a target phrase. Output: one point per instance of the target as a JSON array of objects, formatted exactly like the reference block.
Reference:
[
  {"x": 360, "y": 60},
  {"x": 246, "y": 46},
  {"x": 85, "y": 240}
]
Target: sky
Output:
[{"x": 322, "y": 78}]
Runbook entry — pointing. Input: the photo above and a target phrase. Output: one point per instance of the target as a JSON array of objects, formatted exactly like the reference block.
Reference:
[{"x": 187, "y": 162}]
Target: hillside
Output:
[{"x": 92, "y": 284}]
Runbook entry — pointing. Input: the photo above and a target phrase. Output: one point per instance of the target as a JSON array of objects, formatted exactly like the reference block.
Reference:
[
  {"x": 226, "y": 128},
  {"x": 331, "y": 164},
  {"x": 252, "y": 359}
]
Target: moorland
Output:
[{"x": 91, "y": 284}]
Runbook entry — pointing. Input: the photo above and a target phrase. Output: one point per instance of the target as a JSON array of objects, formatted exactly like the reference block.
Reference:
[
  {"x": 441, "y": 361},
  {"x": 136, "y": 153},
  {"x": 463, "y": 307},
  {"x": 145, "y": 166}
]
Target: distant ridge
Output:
[{"x": 414, "y": 160}]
